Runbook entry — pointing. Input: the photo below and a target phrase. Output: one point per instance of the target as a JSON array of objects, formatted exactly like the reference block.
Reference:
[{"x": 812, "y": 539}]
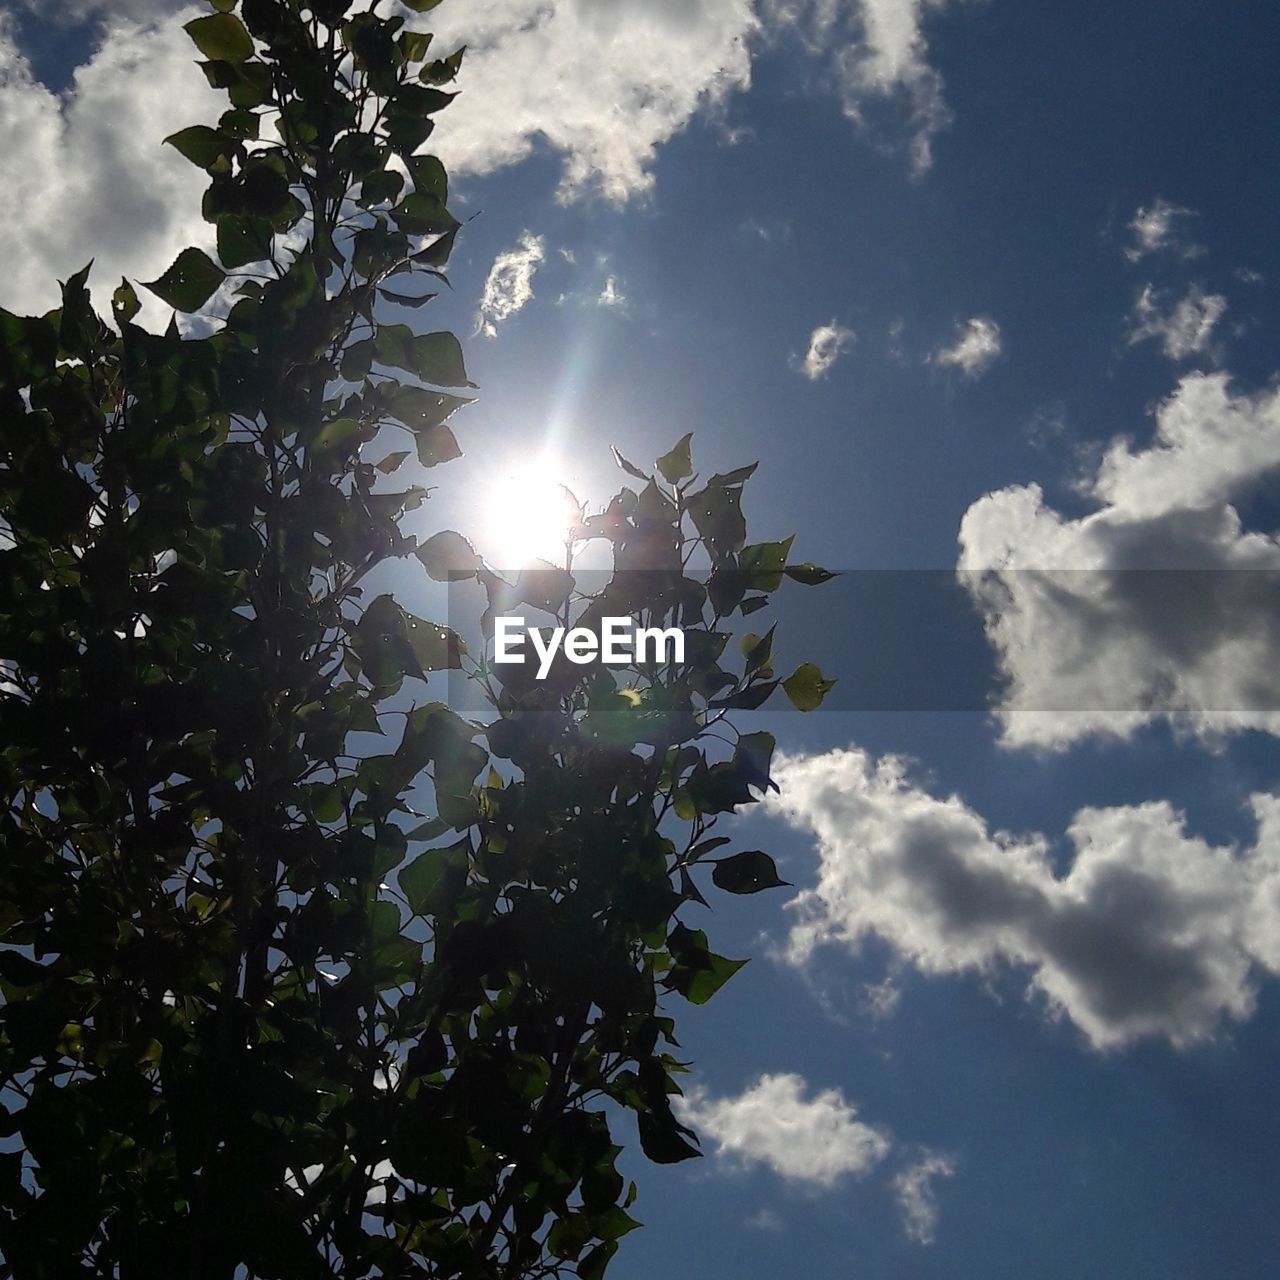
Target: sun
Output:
[{"x": 530, "y": 514}]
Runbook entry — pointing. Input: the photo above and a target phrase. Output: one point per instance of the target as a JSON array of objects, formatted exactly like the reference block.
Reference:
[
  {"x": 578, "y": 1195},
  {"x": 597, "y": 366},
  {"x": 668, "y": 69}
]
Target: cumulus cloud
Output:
[
  {"x": 1137, "y": 610},
  {"x": 603, "y": 85},
  {"x": 815, "y": 1140},
  {"x": 827, "y": 344},
  {"x": 877, "y": 57},
  {"x": 975, "y": 349},
  {"x": 85, "y": 10},
  {"x": 1183, "y": 329},
  {"x": 914, "y": 1191},
  {"x": 510, "y": 283},
  {"x": 83, "y": 174},
  {"x": 1160, "y": 226},
  {"x": 1150, "y": 932}
]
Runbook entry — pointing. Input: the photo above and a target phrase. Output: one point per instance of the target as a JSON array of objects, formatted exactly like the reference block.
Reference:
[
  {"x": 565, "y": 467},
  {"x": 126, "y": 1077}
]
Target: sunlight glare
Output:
[{"x": 530, "y": 515}]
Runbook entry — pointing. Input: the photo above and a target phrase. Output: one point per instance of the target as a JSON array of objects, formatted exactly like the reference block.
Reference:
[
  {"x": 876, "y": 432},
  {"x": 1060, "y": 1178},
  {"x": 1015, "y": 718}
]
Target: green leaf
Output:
[
  {"x": 420, "y": 6},
  {"x": 544, "y": 585},
  {"x": 677, "y": 465},
  {"x": 806, "y": 687},
  {"x": 430, "y": 878},
  {"x": 423, "y": 214},
  {"x": 203, "y": 146},
  {"x": 730, "y": 478},
  {"x": 811, "y": 575},
  {"x": 437, "y": 445},
  {"x": 443, "y": 70},
  {"x": 700, "y": 986},
  {"x": 436, "y": 254},
  {"x": 447, "y": 556},
  {"x": 748, "y": 872},
  {"x": 221, "y": 37},
  {"x": 124, "y": 302},
  {"x": 764, "y": 563},
  {"x": 335, "y": 434},
  {"x": 629, "y": 467},
  {"x": 385, "y": 184},
  {"x": 190, "y": 282},
  {"x": 662, "y": 1138},
  {"x": 429, "y": 177},
  {"x": 413, "y": 45},
  {"x": 438, "y": 359},
  {"x": 411, "y": 300},
  {"x": 716, "y": 512},
  {"x": 593, "y": 1265},
  {"x": 242, "y": 240},
  {"x": 436, "y": 647},
  {"x": 392, "y": 462}
]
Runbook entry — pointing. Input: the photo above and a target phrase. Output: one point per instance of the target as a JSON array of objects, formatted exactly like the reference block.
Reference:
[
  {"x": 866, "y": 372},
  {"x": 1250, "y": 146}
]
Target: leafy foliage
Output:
[{"x": 260, "y": 1015}]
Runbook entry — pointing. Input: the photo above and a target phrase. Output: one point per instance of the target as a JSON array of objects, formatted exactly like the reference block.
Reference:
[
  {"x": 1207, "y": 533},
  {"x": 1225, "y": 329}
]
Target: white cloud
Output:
[
  {"x": 509, "y": 285},
  {"x": 975, "y": 349},
  {"x": 83, "y": 174},
  {"x": 1160, "y": 226},
  {"x": 1150, "y": 932},
  {"x": 827, "y": 344},
  {"x": 877, "y": 56},
  {"x": 917, "y": 1201},
  {"x": 1134, "y": 612},
  {"x": 611, "y": 295},
  {"x": 815, "y": 1140},
  {"x": 603, "y": 85},
  {"x": 1182, "y": 330}
]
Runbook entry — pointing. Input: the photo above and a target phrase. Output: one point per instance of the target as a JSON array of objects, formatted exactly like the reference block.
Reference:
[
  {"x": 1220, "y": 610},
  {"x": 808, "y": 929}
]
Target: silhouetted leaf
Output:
[
  {"x": 190, "y": 282},
  {"x": 748, "y": 872},
  {"x": 676, "y": 465}
]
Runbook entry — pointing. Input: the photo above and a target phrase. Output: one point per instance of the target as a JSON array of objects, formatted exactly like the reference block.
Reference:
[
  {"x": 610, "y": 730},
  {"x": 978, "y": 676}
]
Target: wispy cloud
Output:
[
  {"x": 1183, "y": 329},
  {"x": 509, "y": 285},
  {"x": 975, "y": 349},
  {"x": 917, "y": 1199},
  {"x": 827, "y": 344},
  {"x": 1161, "y": 226},
  {"x": 876, "y": 57}
]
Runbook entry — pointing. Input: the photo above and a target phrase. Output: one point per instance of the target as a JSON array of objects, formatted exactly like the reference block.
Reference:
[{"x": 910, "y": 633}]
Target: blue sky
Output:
[{"x": 980, "y": 284}]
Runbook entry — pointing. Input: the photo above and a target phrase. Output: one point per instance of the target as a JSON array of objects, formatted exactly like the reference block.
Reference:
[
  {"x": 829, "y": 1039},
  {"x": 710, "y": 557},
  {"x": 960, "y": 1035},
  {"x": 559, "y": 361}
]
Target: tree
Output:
[{"x": 260, "y": 1017}]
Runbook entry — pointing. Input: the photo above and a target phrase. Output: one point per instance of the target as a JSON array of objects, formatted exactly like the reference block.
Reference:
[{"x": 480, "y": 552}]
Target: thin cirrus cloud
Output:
[
  {"x": 827, "y": 344},
  {"x": 509, "y": 284},
  {"x": 1134, "y": 612},
  {"x": 1150, "y": 932},
  {"x": 1182, "y": 329},
  {"x": 977, "y": 346}
]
